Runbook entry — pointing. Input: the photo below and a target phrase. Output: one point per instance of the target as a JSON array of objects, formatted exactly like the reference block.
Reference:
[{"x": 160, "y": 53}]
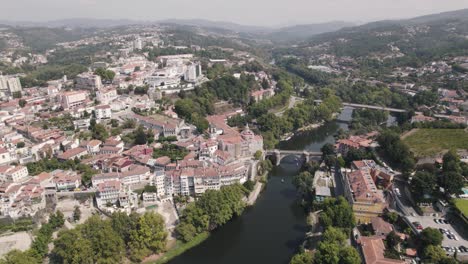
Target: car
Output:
[
  {"x": 442, "y": 230},
  {"x": 449, "y": 236},
  {"x": 445, "y": 221},
  {"x": 455, "y": 237},
  {"x": 463, "y": 249},
  {"x": 436, "y": 221}
]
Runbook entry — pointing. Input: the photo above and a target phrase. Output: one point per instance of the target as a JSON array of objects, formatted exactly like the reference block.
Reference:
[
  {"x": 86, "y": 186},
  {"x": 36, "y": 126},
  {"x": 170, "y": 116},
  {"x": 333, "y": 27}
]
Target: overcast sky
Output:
[{"x": 251, "y": 12}]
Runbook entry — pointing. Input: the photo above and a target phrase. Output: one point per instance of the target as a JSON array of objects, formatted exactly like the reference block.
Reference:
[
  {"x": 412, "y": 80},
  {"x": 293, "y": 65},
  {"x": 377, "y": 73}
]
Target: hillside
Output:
[{"x": 426, "y": 37}]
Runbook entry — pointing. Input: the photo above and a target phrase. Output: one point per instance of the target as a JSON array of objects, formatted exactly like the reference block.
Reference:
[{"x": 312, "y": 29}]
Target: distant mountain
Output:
[
  {"x": 302, "y": 32},
  {"x": 424, "y": 38},
  {"x": 217, "y": 24},
  {"x": 75, "y": 23},
  {"x": 452, "y": 15}
]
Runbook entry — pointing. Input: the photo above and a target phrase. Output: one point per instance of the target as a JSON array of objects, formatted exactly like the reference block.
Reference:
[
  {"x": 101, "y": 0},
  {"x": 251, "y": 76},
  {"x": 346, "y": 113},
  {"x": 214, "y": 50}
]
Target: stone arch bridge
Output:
[{"x": 305, "y": 156}]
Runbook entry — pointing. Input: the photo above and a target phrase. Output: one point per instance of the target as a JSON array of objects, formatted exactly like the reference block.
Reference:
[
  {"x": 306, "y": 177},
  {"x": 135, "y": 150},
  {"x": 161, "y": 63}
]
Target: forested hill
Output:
[{"x": 426, "y": 37}]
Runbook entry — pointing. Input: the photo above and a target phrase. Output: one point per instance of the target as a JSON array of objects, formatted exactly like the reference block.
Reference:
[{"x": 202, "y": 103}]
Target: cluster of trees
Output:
[
  {"x": 430, "y": 241},
  {"x": 428, "y": 178},
  {"x": 309, "y": 75},
  {"x": 106, "y": 75},
  {"x": 273, "y": 127},
  {"x": 139, "y": 136},
  {"x": 365, "y": 120},
  {"x": 40, "y": 245},
  {"x": 109, "y": 241},
  {"x": 172, "y": 151},
  {"x": 194, "y": 108},
  {"x": 47, "y": 165},
  {"x": 338, "y": 219},
  {"x": 42, "y": 74},
  {"x": 98, "y": 131},
  {"x": 304, "y": 183},
  {"x": 333, "y": 249},
  {"x": 396, "y": 151},
  {"x": 337, "y": 213},
  {"x": 362, "y": 93},
  {"x": 213, "y": 209}
]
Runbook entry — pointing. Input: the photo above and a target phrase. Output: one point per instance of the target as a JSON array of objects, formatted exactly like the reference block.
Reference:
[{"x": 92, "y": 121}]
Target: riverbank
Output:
[
  {"x": 254, "y": 194},
  {"x": 179, "y": 248},
  {"x": 289, "y": 135}
]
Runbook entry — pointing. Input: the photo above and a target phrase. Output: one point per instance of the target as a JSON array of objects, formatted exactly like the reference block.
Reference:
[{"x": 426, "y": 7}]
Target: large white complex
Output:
[{"x": 9, "y": 85}]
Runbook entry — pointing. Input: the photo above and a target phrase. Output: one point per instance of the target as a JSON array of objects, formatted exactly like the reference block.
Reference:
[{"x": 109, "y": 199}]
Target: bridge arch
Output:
[{"x": 276, "y": 155}]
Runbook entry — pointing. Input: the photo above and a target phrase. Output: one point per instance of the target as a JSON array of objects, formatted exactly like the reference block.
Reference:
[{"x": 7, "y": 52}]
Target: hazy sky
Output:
[{"x": 253, "y": 12}]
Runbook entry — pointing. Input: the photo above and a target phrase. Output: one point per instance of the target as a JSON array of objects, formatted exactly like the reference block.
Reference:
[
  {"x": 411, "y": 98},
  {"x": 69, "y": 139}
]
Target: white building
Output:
[
  {"x": 5, "y": 156},
  {"x": 73, "y": 99},
  {"x": 13, "y": 173},
  {"x": 108, "y": 193},
  {"x": 103, "y": 112},
  {"x": 137, "y": 44},
  {"x": 105, "y": 96},
  {"x": 193, "y": 72},
  {"x": 9, "y": 84}
]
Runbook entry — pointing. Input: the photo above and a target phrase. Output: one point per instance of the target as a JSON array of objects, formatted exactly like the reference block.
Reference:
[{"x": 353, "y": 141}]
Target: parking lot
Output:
[{"x": 456, "y": 241}]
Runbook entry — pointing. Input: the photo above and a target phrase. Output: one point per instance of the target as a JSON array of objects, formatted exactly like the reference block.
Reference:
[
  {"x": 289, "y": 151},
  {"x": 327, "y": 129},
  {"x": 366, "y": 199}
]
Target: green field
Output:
[
  {"x": 429, "y": 142},
  {"x": 462, "y": 205}
]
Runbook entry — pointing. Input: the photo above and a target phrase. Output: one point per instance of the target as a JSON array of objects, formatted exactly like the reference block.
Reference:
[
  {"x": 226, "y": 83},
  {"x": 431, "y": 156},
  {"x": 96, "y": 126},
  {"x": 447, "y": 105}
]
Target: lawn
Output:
[
  {"x": 429, "y": 142},
  {"x": 462, "y": 205},
  {"x": 181, "y": 247}
]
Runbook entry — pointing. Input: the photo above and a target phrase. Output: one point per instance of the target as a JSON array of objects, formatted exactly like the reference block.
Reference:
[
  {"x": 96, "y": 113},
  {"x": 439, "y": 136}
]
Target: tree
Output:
[
  {"x": 391, "y": 217},
  {"x": 77, "y": 214},
  {"x": 433, "y": 254},
  {"x": 124, "y": 224},
  {"x": 100, "y": 132},
  {"x": 304, "y": 182},
  {"x": 327, "y": 149},
  {"x": 302, "y": 258},
  {"x": 149, "y": 236},
  {"x": 20, "y": 145},
  {"x": 16, "y": 256},
  {"x": 258, "y": 155},
  {"x": 334, "y": 235},
  {"x": 451, "y": 162},
  {"x": 423, "y": 183},
  {"x": 114, "y": 122},
  {"x": 140, "y": 136},
  {"x": 71, "y": 247},
  {"x": 186, "y": 231},
  {"x": 392, "y": 239},
  {"x": 106, "y": 75},
  {"x": 22, "y": 103},
  {"x": 452, "y": 182},
  {"x": 431, "y": 236},
  {"x": 107, "y": 246},
  {"x": 337, "y": 213},
  {"x": 57, "y": 220},
  {"x": 327, "y": 253},
  {"x": 349, "y": 255}
]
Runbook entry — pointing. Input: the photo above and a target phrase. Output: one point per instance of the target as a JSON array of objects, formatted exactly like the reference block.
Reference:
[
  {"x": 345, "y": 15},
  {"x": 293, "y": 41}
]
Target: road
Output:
[
  {"x": 293, "y": 100},
  {"x": 339, "y": 189},
  {"x": 404, "y": 197}
]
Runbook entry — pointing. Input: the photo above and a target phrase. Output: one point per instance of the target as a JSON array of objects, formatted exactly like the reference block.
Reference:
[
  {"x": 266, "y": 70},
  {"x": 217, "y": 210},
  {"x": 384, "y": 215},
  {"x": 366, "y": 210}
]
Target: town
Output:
[{"x": 157, "y": 137}]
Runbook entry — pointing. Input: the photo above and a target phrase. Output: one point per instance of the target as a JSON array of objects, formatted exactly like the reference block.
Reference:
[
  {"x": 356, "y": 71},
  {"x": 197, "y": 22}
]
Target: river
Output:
[{"x": 271, "y": 230}]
